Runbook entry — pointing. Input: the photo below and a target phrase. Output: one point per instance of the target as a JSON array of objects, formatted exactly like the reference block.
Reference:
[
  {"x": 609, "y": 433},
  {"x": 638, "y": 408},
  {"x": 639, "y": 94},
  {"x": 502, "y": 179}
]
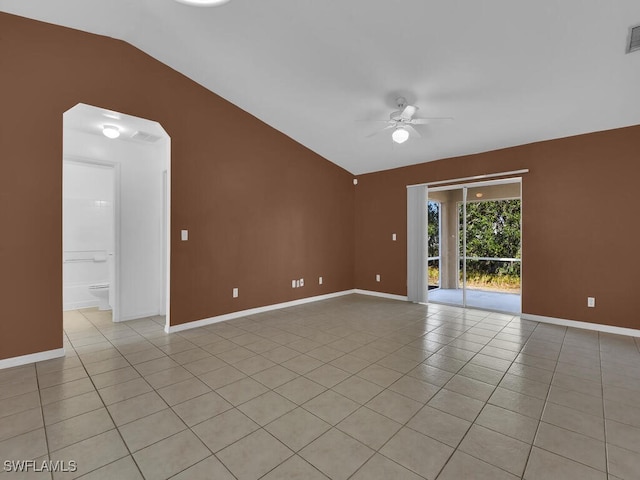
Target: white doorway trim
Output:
[
  {"x": 164, "y": 302},
  {"x": 167, "y": 237}
]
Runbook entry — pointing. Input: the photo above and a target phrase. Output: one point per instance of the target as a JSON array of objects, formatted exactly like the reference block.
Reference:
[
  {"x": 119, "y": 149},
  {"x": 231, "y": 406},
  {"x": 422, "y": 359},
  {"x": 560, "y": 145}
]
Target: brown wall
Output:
[
  {"x": 580, "y": 223},
  {"x": 261, "y": 209}
]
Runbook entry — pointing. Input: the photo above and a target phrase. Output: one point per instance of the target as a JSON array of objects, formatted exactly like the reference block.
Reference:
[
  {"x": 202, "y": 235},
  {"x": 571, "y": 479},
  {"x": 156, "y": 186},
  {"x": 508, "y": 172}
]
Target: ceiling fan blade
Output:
[
  {"x": 375, "y": 120},
  {"x": 408, "y": 112},
  {"x": 388, "y": 127},
  {"x": 412, "y": 130},
  {"x": 424, "y": 121}
]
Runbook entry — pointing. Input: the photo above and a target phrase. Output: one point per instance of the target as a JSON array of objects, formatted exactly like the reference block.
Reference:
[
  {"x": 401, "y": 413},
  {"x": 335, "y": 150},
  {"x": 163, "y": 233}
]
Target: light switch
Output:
[
  {"x": 235, "y": 293},
  {"x": 184, "y": 235},
  {"x": 393, "y": 237},
  {"x": 320, "y": 280},
  {"x": 377, "y": 277},
  {"x": 302, "y": 282}
]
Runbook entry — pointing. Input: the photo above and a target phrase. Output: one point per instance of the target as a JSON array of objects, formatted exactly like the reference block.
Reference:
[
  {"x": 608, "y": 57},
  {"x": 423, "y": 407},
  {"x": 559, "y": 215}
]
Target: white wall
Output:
[
  {"x": 87, "y": 232},
  {"x": 140, "y": 204}
]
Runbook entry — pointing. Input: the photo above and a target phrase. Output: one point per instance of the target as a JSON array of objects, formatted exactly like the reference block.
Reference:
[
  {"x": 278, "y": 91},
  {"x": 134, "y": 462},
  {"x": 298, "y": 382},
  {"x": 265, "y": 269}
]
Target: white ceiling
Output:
[
  {"x": 90, "y": 119},
  {"x": 509, "y": 71}
]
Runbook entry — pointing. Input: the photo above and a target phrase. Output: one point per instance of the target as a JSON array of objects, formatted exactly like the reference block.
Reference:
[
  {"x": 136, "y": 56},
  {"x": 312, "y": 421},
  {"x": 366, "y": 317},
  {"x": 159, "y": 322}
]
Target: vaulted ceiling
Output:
[{"x": 509, "y": 72}]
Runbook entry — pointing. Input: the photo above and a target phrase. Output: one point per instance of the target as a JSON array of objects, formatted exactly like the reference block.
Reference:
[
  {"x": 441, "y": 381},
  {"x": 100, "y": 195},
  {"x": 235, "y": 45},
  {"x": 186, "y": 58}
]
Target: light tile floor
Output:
[{"x": 353, "y": 387}]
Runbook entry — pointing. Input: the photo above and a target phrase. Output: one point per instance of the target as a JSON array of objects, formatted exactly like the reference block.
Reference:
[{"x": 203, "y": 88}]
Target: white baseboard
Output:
[
  {"x": 252, "y": 311},
  {"x": 138, "y": 316},
  {"x": 584, "y": 325},
  {"x": 381, "y": 294},
  {"x": 33, "y": 357},
  {"x": 78, "y": 305}
]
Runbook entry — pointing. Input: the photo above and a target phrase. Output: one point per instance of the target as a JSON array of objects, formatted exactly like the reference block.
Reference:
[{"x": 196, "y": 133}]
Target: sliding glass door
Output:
[
  {"x": 444, "y": 260},
  {"x": 493, "y": 246},
  {"x": 474, "y": 248},
  {"x": 433, "y": 244}
]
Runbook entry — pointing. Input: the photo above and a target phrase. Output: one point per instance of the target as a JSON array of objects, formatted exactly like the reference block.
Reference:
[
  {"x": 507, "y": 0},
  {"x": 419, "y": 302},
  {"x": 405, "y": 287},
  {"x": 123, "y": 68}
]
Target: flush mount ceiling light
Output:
[
  {"x": 203, "y": 3},
  {"x": 110, "y": 131},
  {"x": 479, "y": 195},
  {"x": 400, "y": 135}
]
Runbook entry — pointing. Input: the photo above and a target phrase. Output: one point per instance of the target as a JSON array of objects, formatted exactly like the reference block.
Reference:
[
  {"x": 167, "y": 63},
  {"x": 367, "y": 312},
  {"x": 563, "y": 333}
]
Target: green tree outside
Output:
[{"x": 493, "y": 230}]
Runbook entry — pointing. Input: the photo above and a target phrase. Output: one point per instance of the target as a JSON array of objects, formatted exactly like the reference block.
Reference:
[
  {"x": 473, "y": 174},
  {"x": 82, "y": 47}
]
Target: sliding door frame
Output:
[{"x": 465, "y": 187}]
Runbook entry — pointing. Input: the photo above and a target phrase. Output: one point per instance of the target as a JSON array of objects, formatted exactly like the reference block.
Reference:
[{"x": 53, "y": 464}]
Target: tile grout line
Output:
[
  {"x": 107, "y": 410},
  {"x": 145, "y": 416},
  {"x": 187, "y": 427},
  {"x": 44, "y": 426},
  {"x": 296, "y": 453},
  {"x": 299, "y": 375},
  {"x": 472, "y": 423},
  {"x": 406, "y": 329},
  {"x": 604, "y": 416},
  {"x": 190, "y": 428},
  {"x": 169, "y": 407},
  {"x": 546, "y": 401},
  {"x": 80, "y": 357},
  {"x": 512, "y": 362},
  {"x": 405, "y": 425},
  {"x": 361, "y": 405}
]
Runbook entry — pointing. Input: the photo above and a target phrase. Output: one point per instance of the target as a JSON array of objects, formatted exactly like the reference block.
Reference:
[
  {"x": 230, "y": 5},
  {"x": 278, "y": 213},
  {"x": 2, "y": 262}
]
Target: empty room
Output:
[{"x": 319, "y": 240}]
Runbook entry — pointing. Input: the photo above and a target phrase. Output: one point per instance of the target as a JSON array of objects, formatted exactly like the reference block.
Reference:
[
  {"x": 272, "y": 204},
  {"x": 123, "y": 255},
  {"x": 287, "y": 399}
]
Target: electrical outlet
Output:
[
  {"x": 393, "y": 237},
  {"x": 235, "y": 293},
  {"x": 297, "y": 283},
  {"x": 319, "y": 280},
  {"x": 293, "y": 284},
  {"x": 377, "y": 277},
  {"x": 302, "y": 282},
  {"x": 591, "y": 302}
]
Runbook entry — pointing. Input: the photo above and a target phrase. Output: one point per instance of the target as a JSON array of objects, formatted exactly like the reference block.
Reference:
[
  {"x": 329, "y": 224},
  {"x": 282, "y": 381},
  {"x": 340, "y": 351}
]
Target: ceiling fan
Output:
[{"x": 402, "y": 121}]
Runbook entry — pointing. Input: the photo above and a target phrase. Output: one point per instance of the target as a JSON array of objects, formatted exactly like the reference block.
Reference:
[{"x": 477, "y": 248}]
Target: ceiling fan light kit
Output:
[
  {"x": 400, "y": 135},
  {"x": 402, "y": 122}
]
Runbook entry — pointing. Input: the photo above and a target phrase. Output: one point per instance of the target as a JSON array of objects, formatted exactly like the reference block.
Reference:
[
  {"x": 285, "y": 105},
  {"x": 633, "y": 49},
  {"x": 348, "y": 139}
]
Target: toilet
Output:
[{"x": 101, "y": 290}]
